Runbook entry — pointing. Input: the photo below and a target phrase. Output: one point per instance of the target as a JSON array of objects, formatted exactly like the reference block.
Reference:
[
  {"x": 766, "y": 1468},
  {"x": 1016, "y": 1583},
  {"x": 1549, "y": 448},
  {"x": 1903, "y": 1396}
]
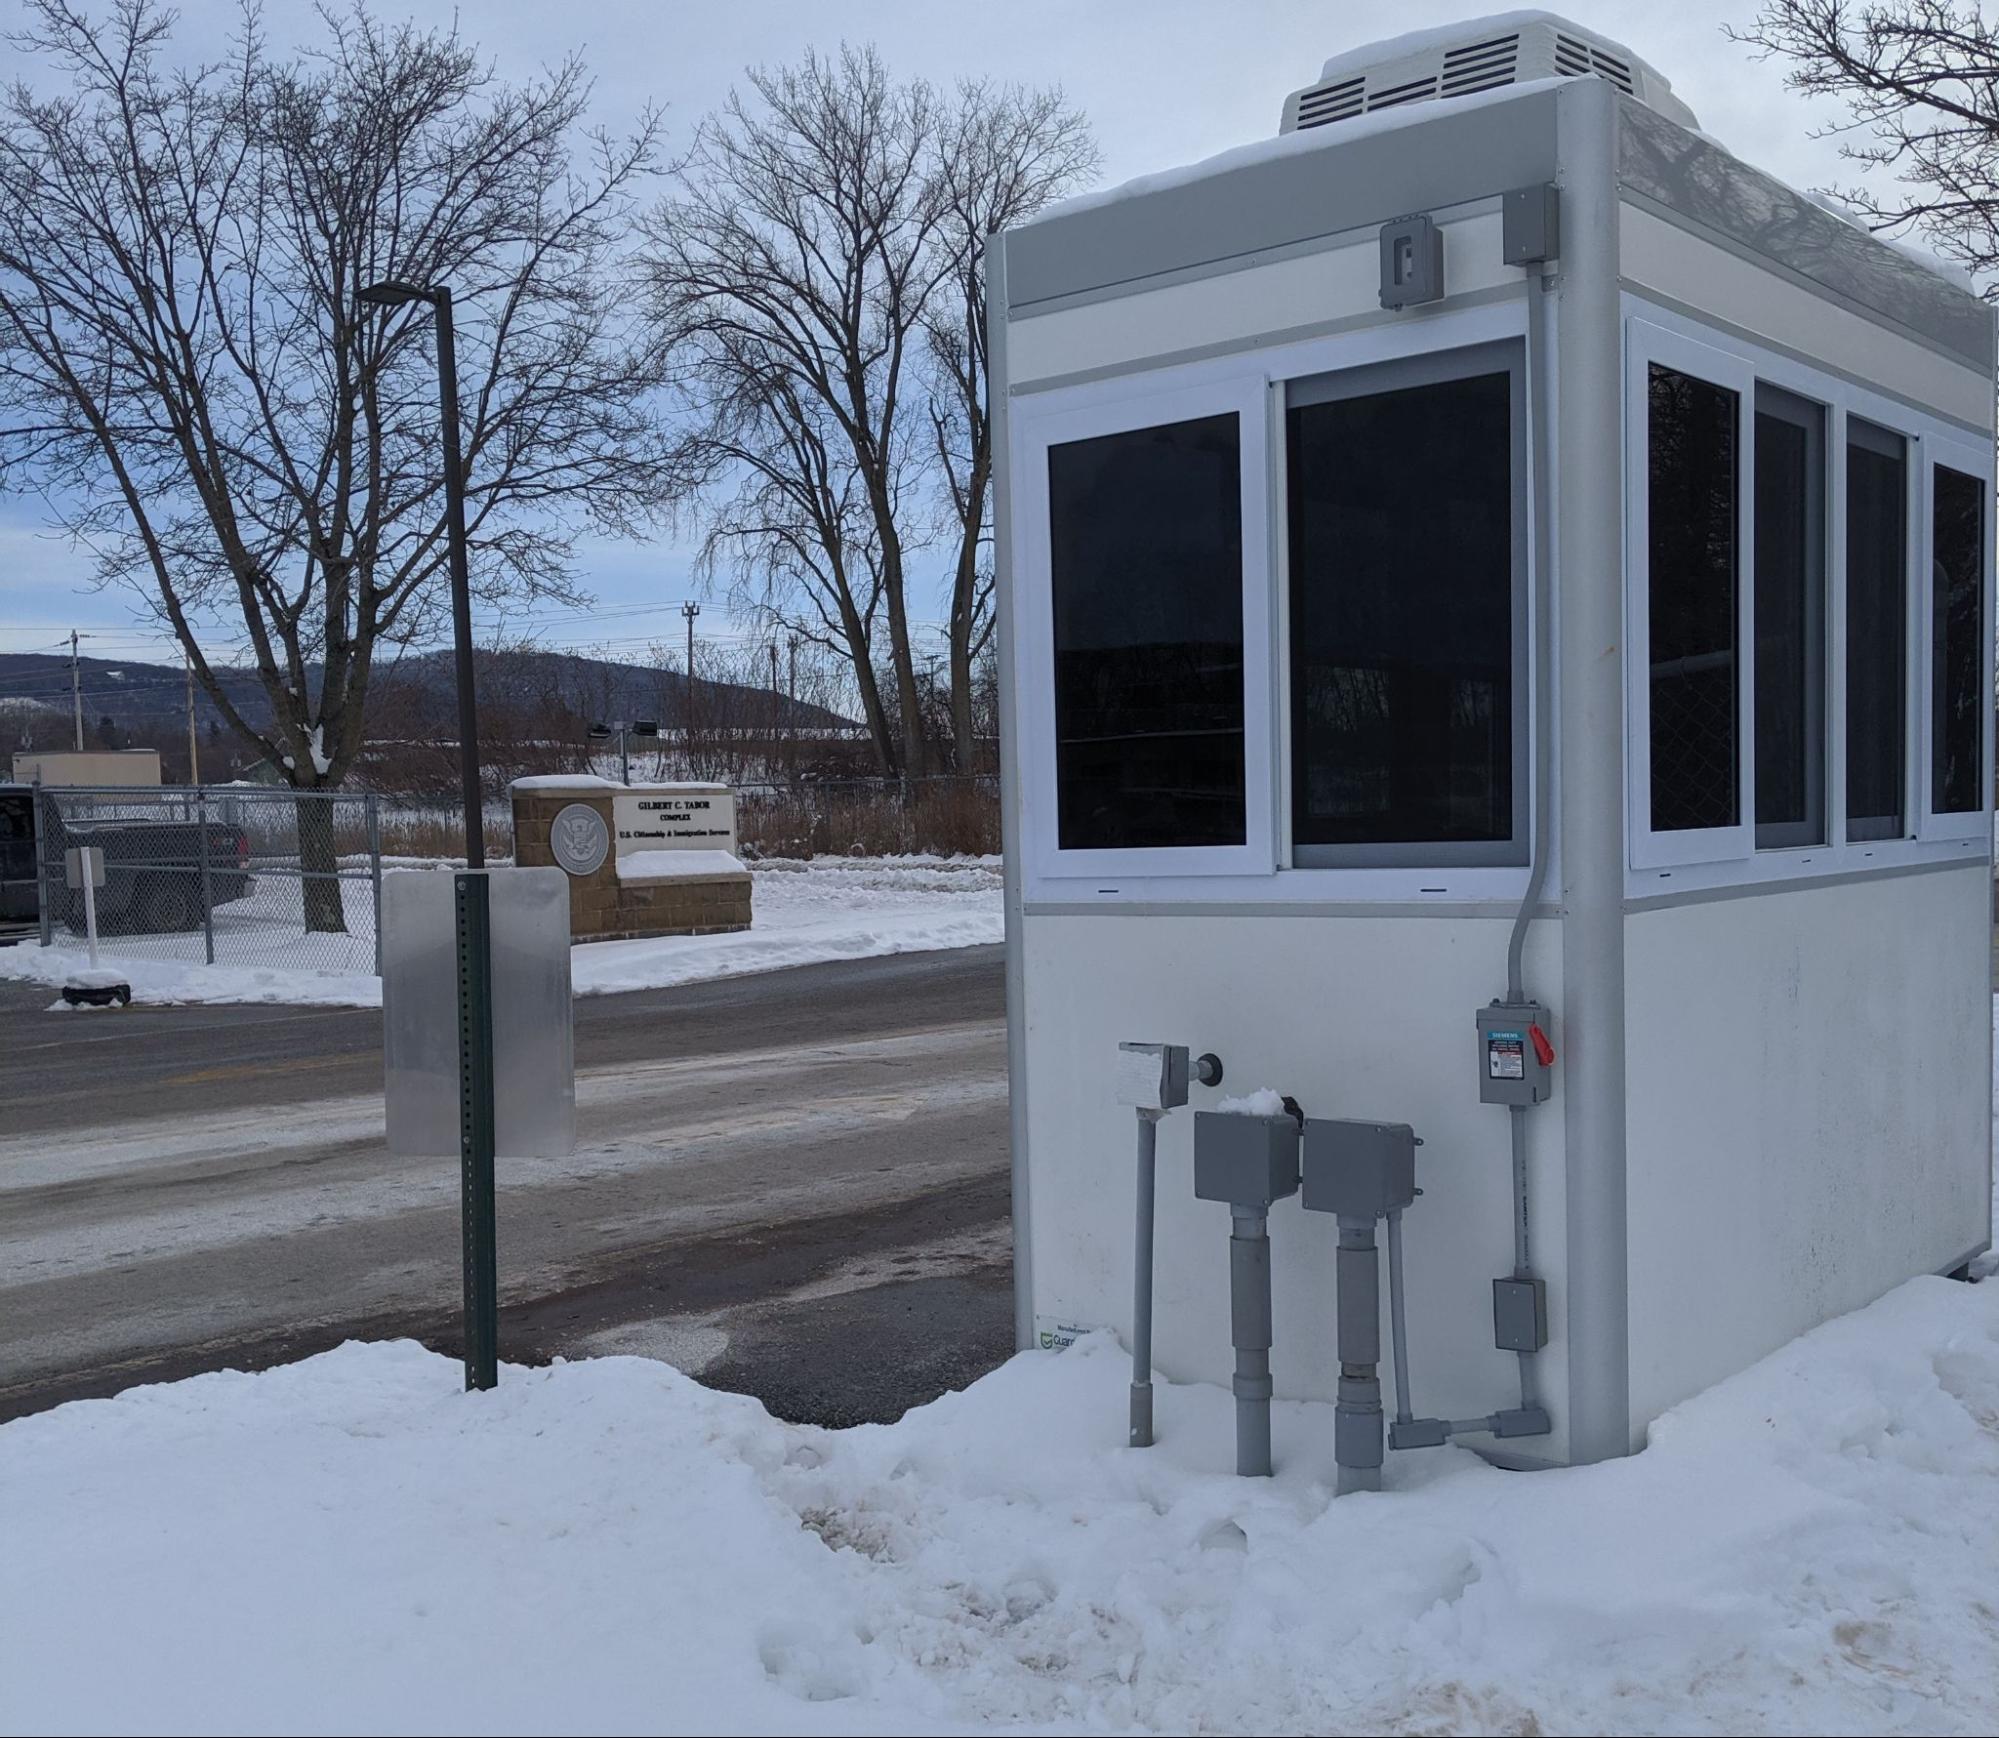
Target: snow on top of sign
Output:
[
  {"x": 672, "y": 864},
  {"x": 565, "y": 781},
  {"x": 1288, "y": 145},
  {"x": 584, "y": 781}
]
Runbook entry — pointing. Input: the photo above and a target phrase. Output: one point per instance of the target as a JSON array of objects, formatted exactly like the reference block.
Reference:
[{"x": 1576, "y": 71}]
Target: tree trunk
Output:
[
  {"x": 962, "y": 747},
  {"x": 319, "y": 865}
]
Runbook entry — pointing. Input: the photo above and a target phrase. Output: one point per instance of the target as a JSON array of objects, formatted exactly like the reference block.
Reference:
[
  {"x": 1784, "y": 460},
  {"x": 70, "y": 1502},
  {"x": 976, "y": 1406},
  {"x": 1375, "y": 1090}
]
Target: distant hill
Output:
[{"x": 413, "y": 694}]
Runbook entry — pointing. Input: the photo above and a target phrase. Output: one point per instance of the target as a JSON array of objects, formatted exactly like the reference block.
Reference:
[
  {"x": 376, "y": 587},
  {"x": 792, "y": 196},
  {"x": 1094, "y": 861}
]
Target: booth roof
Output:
[
  {"x": 1288, "y": 145},
  {"x": 1415, "y": 114}
]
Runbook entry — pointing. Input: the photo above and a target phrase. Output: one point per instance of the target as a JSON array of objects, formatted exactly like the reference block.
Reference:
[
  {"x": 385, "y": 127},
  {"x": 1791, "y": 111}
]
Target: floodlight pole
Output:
[
  {"x": 477, "y": 1132},
  {"x": 461, "y": 582}
]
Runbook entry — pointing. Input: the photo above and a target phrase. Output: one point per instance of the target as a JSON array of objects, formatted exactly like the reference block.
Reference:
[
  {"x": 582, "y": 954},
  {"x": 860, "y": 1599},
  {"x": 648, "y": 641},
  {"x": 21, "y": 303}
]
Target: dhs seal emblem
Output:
[{"x": 579, "y": 839}]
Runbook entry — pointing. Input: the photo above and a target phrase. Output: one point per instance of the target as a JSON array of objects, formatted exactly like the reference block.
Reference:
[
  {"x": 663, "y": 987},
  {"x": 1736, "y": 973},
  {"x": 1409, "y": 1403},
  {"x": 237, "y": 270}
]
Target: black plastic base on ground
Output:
[{"x": 97, "y": 995}]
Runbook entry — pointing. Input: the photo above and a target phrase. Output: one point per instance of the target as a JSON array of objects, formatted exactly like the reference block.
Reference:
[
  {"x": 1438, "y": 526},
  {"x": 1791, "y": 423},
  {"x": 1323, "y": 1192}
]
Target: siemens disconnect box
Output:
[{"x": 1496, "y": 640}]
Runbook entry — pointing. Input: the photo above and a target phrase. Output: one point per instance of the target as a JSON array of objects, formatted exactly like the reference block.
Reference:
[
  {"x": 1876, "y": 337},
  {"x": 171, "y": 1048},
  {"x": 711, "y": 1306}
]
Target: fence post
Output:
[
  {"x": 375, "y": 870},
  {"x": 44, "y": 815},
  {"x": 207, "y": 887}
]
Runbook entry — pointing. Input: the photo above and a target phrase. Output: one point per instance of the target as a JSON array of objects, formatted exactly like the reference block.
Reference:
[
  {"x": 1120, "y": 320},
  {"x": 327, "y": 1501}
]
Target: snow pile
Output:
[
  {"x": 672, "y": 864},
  {"x": 1264, "y": 1101},
  {"x": 352, "y": 1543},
  {"x": 833, "y": 908},
  {"x": 830, "y": 908}
]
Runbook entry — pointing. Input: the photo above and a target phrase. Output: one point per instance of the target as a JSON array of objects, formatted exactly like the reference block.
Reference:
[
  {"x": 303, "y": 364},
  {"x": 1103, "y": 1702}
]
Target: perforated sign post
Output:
[
  {"x": 478, "y": 1212},
  {"x": 479, "y": 1051}
]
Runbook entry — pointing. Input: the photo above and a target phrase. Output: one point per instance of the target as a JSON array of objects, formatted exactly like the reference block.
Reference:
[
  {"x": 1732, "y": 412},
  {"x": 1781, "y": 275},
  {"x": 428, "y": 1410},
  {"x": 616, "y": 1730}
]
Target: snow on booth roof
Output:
[{"x": 1581, "y": 51}]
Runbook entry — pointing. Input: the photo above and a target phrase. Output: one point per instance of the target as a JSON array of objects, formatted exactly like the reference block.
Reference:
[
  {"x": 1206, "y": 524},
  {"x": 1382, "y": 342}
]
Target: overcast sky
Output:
[{"x": 1164, "y": 82}]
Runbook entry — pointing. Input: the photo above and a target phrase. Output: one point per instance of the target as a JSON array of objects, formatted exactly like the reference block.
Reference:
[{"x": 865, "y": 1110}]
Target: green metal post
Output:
[{"x": 475, "y": 1131}]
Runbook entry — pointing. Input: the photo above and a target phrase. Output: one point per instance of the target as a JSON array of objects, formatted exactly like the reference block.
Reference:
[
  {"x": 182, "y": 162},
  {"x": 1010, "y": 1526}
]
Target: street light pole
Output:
[
  {"x": 390, "y": 294},
  {"x": 461, "y": 582},
  {"x": 476, "y": 1130}
]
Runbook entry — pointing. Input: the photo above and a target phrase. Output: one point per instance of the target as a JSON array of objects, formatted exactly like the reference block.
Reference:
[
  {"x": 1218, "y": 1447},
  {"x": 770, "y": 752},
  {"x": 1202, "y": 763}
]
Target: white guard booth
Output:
[{"x": 1489, "y": 497}]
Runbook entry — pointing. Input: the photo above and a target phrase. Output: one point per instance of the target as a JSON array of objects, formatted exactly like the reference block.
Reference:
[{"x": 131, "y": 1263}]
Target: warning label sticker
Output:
[{"x": 1506, "y": 1056}]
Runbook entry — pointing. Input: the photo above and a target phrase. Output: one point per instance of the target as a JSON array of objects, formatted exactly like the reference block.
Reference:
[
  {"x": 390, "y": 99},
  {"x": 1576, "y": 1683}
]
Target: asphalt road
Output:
[{"x": 793, "y": 1184}]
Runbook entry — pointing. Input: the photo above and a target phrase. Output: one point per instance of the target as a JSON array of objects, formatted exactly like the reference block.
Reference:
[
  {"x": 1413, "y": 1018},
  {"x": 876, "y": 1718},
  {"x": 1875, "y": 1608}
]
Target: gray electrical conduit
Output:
[
  {"x": 1141, "y": 1302},
  {"x": 1542, "y": 671},
  {"x": 1540, "y": 450}
]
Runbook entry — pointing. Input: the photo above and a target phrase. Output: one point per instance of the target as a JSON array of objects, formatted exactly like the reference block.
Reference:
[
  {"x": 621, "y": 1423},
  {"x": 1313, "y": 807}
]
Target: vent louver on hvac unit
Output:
[{"x": 1480, "y": 56}]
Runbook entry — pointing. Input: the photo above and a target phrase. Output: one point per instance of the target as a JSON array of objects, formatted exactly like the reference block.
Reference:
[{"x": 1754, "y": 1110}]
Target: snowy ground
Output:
[
  {"x": 830, "y": 908},
  {"x": 352, "y": 1543}
]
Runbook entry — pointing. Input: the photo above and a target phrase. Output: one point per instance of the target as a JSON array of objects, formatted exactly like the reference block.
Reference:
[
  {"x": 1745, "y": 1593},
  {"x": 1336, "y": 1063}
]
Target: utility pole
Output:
[
  {"x": 76, "y": 686},
  {"x": 690, "y": 610},
  {"x": 770, "y": 753},
  {"x": 791, "y": 694},
  {"x": 193, "y": 759}
]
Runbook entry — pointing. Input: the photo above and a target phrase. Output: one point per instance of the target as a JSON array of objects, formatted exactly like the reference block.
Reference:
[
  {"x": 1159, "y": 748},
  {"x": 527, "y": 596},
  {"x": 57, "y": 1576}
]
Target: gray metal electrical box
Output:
[
  {"x": 1412, "y": 262},
  {"x": 1359, "y": 1170},
  {"x": 1514, "y": 1053},
  {"x": 1247, "y": 1161},
  {"x": 1519, "y": 1314},
  {"x": 1152, "y": 1076},
  {"x": 1530, "y": 225}
]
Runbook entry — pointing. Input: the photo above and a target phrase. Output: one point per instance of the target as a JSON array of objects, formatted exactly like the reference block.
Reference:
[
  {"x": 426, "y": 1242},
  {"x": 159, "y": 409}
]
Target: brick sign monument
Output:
[{"x": 651, "y": 859}]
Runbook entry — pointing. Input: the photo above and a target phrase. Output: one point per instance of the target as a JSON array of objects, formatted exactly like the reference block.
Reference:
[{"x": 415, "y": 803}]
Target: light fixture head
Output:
[
  {"x": 392, "y": 293},
  {"x": 600, "y": 733}
]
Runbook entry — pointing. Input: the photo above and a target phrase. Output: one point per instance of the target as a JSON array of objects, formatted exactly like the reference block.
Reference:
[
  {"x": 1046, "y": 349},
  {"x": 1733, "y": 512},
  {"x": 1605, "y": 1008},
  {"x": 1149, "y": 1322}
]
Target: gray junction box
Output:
[{"x": 1362, "y": 666}]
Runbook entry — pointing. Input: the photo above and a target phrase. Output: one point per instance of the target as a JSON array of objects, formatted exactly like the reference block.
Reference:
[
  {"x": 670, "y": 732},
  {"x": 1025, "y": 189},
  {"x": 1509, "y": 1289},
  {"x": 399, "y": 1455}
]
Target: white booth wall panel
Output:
[
  {"x": 1810, "y": 1117},
  {"x": 1264, "y": 304},
  {"x": 1366, "y": 1017},
  {"x": 1674, "y": 262}
]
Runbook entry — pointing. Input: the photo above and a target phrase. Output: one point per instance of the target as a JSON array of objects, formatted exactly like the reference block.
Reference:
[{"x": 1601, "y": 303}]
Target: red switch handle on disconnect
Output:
[{"x": 1542, "y": 1047}]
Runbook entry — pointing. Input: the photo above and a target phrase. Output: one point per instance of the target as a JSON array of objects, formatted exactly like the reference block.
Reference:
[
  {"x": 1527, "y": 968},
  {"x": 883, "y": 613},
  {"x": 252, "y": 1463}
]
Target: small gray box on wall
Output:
[
  {"x": 1412, "y": 262},
  {"x": 1530, "y": 225},
  {"x": 1519, "y": 1314}
]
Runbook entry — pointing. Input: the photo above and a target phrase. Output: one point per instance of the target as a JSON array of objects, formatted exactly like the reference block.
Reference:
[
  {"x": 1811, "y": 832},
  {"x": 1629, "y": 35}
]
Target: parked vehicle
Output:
[{"x": 153, "y": 869}]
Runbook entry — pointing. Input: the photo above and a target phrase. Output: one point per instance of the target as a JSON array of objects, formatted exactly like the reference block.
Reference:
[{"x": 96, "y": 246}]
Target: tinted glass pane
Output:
[
  {"x": 1145, "y": 534},
  {"x": 1790, "y": 620},
  {"x": 1692, "y": 514},
  {"x": 1401, "y": 509},
  {"x": 1877, "y": 637},
  {"x": 1956, "y": 605}
]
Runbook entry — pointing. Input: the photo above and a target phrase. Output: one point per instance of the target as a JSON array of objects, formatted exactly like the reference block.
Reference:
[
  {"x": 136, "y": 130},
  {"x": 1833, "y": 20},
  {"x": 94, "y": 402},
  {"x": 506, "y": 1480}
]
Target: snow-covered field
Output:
[
  {"x": 831, "y": 908},
  {"x": 352, "y": 1543}
]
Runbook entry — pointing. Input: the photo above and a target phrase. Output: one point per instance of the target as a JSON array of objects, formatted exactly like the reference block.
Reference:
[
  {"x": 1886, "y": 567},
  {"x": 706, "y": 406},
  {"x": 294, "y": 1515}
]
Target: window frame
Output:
[
  {"x": 1820, "y": 771},
  {"x": 1954, "y": 453},
  {"x": 1244, "y": 396},
  {"x": 1366, "y": 380},
  {"x": 1927, "y": 838},
  {"x": 1648, "y": 345}
]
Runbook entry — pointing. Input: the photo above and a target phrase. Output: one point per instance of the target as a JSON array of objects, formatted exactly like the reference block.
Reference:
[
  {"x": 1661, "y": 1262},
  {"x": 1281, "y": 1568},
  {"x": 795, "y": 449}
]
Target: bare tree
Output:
[
  {"x": 187, "y": 380},
  {"x": 1005, "y": 153},
  {"x": 792, "y": 268},
  {"x": 1920, "y": 79}
]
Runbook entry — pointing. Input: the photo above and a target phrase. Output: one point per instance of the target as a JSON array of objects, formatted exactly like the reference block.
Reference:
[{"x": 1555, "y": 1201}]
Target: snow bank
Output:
[
  {"x": 830, "y": 908},
  {"x": 352, "y": 1543},
  {"x": 670, "y": 865}
]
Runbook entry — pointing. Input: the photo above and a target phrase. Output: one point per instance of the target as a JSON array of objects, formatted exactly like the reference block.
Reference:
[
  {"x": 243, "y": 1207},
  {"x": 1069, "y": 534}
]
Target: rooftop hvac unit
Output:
[{"x": 1482, "y": 55}]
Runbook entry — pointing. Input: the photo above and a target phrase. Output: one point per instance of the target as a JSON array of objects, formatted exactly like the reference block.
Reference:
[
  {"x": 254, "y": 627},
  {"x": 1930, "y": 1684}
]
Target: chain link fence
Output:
[{"x": 234, "y": 875}]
